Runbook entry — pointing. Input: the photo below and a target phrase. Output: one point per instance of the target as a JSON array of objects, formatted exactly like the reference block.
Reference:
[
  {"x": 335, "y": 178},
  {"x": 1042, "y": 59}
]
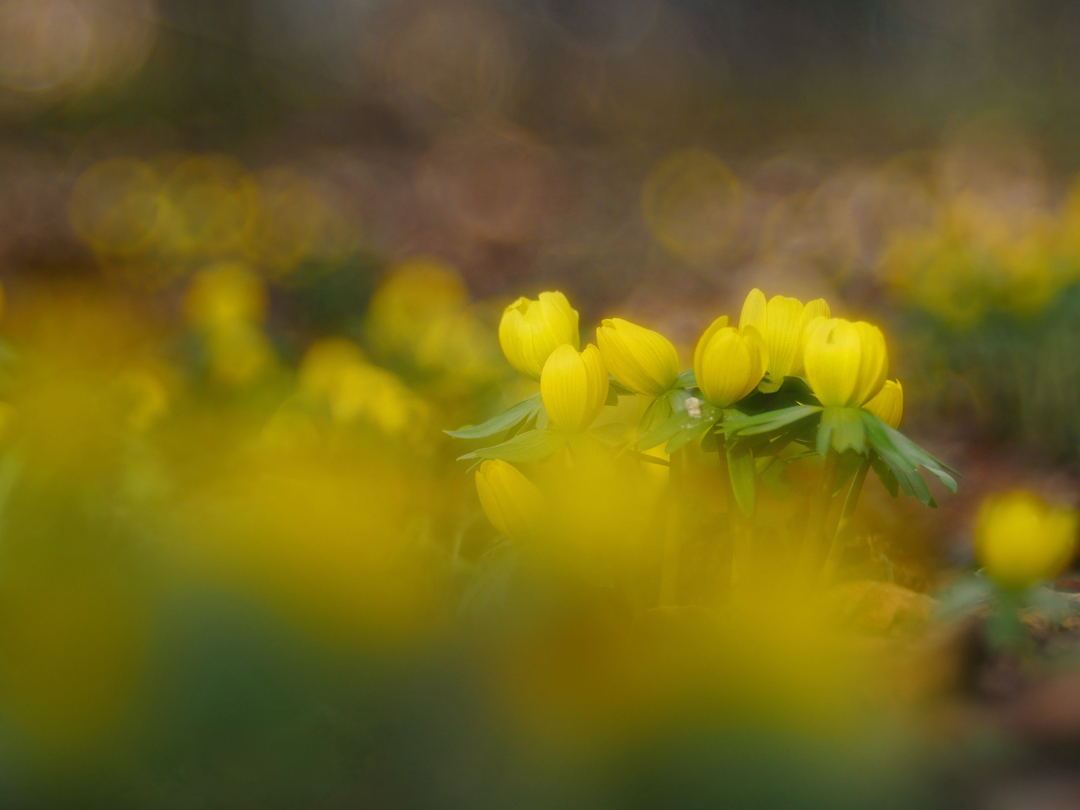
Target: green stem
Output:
[
  {"x": 728, "y": 506},
  {"x": 814, "y": 545},
  {"x": 850, "y": 502},
  {"x": 669, "y": 570}
]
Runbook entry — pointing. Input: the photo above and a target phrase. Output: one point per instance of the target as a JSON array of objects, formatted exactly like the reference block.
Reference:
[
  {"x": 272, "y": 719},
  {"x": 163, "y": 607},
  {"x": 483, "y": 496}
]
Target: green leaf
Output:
[
  {"x": 885, "y": 475},
  {"x": 616, "y": 387},
  {"x": 841, "y": 429},
  {"x": 506, "y": 420},
  {"x": 906, "y": 474},
  {"x": 741, "y": 469},
  {"x": 769, "y": 421},
  {"x": 657, "y": 411},
  {"x": 661, "y": 431},
  {"x": 686, "y": 379},
  {"x": 910, "y": 451},
  {"x": 528, "y": 446},
  {"x": 612, "y": 396},
  {"x": 688, "y": 433},
  {"x": 899, "y": 451}
]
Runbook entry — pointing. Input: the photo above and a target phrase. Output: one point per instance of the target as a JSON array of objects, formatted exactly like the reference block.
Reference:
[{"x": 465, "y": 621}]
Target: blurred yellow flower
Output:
[
  {"x": 638, "y": 358},
  {"x": 782, "y": 322},
  {"x": 512, "y": 502},
  {"x": 574, "y": 387},
  {"x": 729, "y": 363},
  {"x": 323, "y": 363},
  {"x": 846, "y": 362},
  {"x": 888, "y": 404},
  {"x": 531, "y": 330},
  {"x": 415, "y": 294},
  {"x": 239, "y": 354},
  {"x": 1020, "y": 539},
  {"x": 223, "y": 295}
]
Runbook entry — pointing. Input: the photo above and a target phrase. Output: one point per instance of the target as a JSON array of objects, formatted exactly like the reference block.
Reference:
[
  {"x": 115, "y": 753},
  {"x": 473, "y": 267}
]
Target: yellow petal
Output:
[
  {"x": 873, "y": 362},
  {"x": 531, "y": 330},
  {"x": 754, "y": 310},
  {"x": 832, "y": 358},
  {"x": 714, "y": 327},
  {"x": 814, "y": 310},
  {"x": 511, "y": 501},
  {"x": 727, "y": 367},
  {"x": 574, "y": 387},
  {"x": 888, "y": 405},
  {"x": 783, "y": 335},
  {"x": 640, "y": 359}
]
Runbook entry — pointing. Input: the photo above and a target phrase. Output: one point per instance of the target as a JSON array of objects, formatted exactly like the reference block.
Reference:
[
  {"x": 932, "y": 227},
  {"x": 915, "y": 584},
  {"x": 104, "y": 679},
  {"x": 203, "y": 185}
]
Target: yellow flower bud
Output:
[
  {"x": 574, "y": 387},
  {"x": 846, "y": 362},
  {"x": 531, "y": 330},
  {"x": 888, "y": 405},
  {"x": 782, "y": 323},
  {"x": 729, "y": 363},
  {"x": 640, "y": 359},
  {"x": 511, "y": 501},
  {"x": 1020, "y": 539}
]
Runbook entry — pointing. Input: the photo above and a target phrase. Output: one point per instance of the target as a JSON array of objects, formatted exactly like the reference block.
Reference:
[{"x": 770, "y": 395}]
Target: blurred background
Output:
[{"x": 254, "y": 256}]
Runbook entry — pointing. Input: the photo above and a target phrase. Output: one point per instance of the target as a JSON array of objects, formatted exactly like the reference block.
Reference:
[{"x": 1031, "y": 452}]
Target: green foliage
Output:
[
  {"x": 531, "y": 445},
  {"x": 505, "y": 421}
]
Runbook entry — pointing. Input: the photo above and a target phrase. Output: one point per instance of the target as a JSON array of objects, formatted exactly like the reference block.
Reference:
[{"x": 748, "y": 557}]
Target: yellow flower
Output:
[
  {"x": 729, "y": 363},
  {"x": 640, "y": 359},
  {"x": 224, "y": 295},
  {"x": 846, "y": 362},
  {"x": 888, "y": 405},
  {"x": 574, "y": 387},
  {"x": 1020, "y": 539},
  {"x": 782, "y": 322},
  {"x": 531, "y": 330},
  {"x": 511, "y": 501}
]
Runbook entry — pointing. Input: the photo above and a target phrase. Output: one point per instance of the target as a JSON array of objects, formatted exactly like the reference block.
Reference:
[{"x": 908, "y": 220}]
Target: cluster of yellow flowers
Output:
[
  {"x": 785, "y": 360},
  {"x": 754, "y": 391},
  {"x": 845, "y": 362}
]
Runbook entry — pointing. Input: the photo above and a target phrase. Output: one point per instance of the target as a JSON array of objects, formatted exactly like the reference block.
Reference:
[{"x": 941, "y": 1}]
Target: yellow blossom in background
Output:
[
  {"x": 323, "y": 363},
  {"x": 638, "y": 358},
  {"x": 512, "y": 502},
  {"x": 225, "y": 294},
  {"x": 379, "y": 398},
  {"x": 888, "y": 404},
  {"x": 414, "y": 295},
  {"x": 1021, "y": 539},
  {"x": 782, "y": 322},
  {"x": 574, "y": 387},
  {"x": 729, "y": 363},
  {"x": 147, "y": 396},
  {"x": 531, "y": 330},
  {"x": 239, "y": 354},
  {"x": 846, "y": 362}
]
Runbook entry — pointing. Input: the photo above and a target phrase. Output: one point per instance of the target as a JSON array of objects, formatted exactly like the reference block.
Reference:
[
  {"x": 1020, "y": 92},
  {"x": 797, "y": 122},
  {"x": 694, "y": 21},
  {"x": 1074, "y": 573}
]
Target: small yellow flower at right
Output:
[
  {"x": 531, "y": 330},
  {"x": 729, "y": 363},
  {"x": 846, "y": 363},
  {"x": 1021, "y": 539},
  {"x": 638, "y": 358},
  {"x": 782, "y": 322},
  {"x": 574, "y": 387},
  {"x": 512, "y": 502},
  {"x": 888, "y": 405}
]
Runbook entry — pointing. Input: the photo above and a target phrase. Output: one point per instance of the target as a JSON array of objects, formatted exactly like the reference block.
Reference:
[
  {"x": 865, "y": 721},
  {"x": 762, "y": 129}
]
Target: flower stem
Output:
[
  {"x": 727, "y": 533},
  {"x": 814, "y": 545},
  {"x": 850, "y": 502},
  {"x": 669, "y": 570}
]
